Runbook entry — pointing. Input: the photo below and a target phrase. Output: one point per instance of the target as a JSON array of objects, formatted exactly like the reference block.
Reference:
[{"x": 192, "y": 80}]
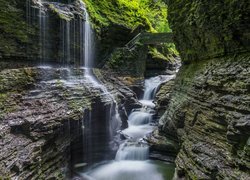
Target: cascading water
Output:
[
  {"x": 65, "y": 27},
  {"x": 131, "y": 161},
  {"x": 132, "y": 151},
  {"x": 89, "y": 56},
  {"x": 111, "y": 119}
]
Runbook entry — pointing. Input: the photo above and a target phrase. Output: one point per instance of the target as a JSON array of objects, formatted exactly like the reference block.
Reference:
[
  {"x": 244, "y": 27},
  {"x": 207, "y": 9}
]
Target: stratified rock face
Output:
[
  {"x": 210, "y": 104},
  {"x": 163, "y": 97},
  {"x": 39, "y": 119},
  {"x": 43, "y": 111},
  {"x": 209, "y": 29},
  {"x": 209, "y": 114}
]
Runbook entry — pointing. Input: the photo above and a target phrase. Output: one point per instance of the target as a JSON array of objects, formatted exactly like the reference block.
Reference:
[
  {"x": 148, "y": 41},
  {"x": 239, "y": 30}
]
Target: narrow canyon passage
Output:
[{"x": 124, "y": 90}]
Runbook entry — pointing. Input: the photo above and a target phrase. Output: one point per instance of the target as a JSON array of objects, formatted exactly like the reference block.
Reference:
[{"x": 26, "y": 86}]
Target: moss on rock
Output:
[
  {"x": 150, "y": 14},
  {"x": 208, "y": 112},
  {"x": 127, "y": 62},
  {"x": 209, "y": 29}
]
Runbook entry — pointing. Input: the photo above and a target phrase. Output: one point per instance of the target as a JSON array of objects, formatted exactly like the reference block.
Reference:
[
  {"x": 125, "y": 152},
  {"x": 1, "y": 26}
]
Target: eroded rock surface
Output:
[
  {"x": 42, "y": 113},
  {"x": 208, "y": 111}
]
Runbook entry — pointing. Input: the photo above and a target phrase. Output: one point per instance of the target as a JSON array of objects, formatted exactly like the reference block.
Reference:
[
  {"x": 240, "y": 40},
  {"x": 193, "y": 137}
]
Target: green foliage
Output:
[
  {"x": 11, "y": 21},
  {"x": 56, "y": 11},
  {"x": 14, "y": 31},
  {"x": 127, "y": 62},
  {"x": 208, "y": 29},
  {"x": 165, "y": 52},
  {"x": 150, "y": 14}
]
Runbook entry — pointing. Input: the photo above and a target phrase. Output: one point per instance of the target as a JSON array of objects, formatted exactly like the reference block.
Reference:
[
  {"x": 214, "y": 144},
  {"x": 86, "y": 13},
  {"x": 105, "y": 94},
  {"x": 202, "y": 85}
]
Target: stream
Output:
[{"x": 132, "y": 158}]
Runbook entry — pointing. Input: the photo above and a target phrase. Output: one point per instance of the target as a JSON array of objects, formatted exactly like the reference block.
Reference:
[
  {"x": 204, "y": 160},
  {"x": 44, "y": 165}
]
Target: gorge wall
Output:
[
  {"x": 43, "y": 112},
  {"x": 41, "y": 31},
  {"x": 209, "y": 107}
]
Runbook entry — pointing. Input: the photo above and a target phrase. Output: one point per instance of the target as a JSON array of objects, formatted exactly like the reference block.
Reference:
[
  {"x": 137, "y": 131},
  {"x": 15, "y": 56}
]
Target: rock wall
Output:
[
  {"x": 47, "y": 31},
  {"x": 209, "y": 29},
  {"x": 42, "y": 113},
  {"x": 126, "y": 62},
  {"x": 208, "y": 111},
  {"x": 14, "y": 37},
  {"x": 209, "y": 115},
  {"x": 38, "y": 121}
]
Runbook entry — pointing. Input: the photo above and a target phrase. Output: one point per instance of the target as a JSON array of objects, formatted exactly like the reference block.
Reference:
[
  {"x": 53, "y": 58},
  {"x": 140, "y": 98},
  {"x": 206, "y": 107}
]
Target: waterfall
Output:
[
  {"x": 100, "y": 124},
  {"x": 87, "y": 136},
  {"x": 89, "y": 50},
  {"x": 112, "y": 118},
  {"x": 139, "y": 118},
  {"x": 68, "y": 30},
  {"x": 43, "y": 32},
  {"x": 88, "y": 47},
  {"x": 88, "y": 57},
  {"x": 131, "y": 160},
  {"x": 65, "y": 36},
  {"x": 152, "y": 85},
  {"x": 132, "y": 151}
]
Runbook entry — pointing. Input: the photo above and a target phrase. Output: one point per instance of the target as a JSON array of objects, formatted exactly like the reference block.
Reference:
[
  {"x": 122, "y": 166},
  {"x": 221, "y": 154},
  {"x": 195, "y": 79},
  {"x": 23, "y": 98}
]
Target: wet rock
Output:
[
  {"x": 162, "y": 98},
  {"x": 159, "y": 144},
  {"x": 43, "y": 113},
  {"x": 39, "y": 120},
  {"x": 208, "y": 113}
]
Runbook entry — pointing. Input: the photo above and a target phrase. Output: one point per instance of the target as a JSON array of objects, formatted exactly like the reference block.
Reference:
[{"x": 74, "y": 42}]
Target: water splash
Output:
[
  {"x": 132, "y": 151},
  {"x": 152, "y": 85},
  {"x": 139, "y": 118}
]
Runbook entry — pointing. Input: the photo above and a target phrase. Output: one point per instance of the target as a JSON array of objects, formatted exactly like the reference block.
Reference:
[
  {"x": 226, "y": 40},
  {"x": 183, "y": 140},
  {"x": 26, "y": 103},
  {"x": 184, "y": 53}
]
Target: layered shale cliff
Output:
[
  {"x": 209, "y": 107},
  {"x": 43, "y": 112}
]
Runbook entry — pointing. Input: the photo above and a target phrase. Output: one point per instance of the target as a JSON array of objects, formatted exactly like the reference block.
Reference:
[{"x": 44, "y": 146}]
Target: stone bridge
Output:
[{"x": 150, "y": 38}]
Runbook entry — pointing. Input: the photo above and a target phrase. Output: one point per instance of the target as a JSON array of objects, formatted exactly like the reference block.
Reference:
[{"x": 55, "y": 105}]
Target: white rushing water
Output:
[
  {"x": 125, "y": 170},
  {"x": 111, "y": 114},
  {"x": 43, "y": 23},
  {"x": 152, "y": 85},
  {"x": 89, "y": 45},
  {"x": 132, "y": 151},
  {"x": 131, "y": 161}
]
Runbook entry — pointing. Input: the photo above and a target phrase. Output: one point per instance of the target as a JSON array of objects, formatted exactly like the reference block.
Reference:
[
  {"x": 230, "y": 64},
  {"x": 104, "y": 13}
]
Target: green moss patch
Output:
[{"x": 150, "y": 14}]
